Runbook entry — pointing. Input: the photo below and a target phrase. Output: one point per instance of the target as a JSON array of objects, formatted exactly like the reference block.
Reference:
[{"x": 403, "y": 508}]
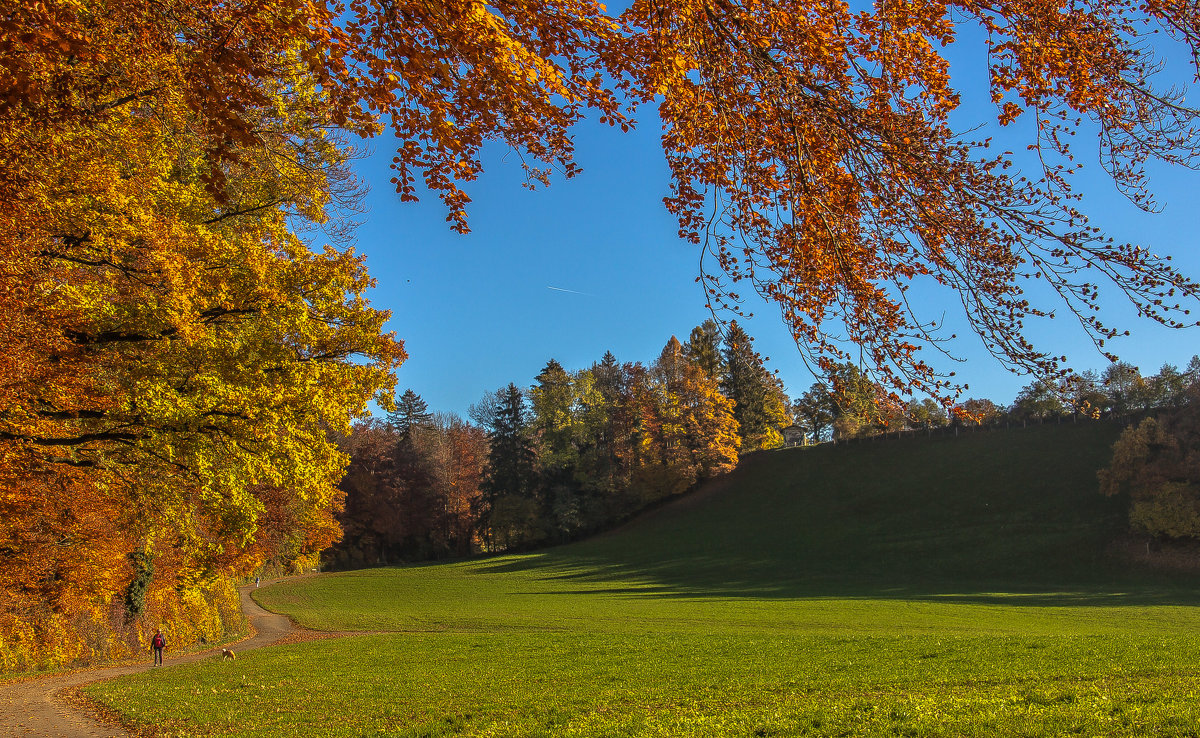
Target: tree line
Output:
[
  {"x": 576, "y": 452},
  {"x": 571, "y": 454},
  {"x": 847, "y": 404}
]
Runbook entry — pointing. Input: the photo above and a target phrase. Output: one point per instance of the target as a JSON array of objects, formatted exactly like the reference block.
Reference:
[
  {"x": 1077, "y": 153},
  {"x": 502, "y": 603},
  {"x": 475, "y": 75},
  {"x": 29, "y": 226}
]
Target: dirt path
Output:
[{"x": 33, "y": 708}]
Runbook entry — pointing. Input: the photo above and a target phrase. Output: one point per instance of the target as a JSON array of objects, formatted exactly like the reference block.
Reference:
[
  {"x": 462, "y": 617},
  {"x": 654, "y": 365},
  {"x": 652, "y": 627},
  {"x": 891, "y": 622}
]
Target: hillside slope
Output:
[{"x": 1003, "y": 510}]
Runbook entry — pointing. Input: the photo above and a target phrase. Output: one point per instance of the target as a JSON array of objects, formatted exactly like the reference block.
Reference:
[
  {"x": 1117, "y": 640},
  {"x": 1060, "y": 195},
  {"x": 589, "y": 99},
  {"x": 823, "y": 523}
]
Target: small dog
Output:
[{"x": 227, "y": 655}]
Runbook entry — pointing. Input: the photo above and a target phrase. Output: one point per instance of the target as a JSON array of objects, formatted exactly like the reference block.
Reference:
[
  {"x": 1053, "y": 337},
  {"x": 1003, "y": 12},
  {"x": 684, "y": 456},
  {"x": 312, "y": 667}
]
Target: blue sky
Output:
[{"x": 594, "y": 264}]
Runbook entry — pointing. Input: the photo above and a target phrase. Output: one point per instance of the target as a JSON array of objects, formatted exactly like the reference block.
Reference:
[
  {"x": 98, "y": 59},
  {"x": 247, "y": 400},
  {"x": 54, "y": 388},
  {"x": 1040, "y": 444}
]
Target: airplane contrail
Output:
[{"x": 573, "y": 292}]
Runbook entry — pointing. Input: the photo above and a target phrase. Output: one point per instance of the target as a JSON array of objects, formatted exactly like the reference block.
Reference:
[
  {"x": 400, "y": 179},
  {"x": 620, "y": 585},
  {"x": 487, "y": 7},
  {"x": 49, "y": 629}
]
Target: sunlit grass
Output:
[{"x": 817, "y": 595}]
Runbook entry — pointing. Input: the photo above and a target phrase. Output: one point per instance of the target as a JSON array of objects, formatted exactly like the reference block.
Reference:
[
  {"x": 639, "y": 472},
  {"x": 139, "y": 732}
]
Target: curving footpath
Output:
[{"x": 31, "y": 708}]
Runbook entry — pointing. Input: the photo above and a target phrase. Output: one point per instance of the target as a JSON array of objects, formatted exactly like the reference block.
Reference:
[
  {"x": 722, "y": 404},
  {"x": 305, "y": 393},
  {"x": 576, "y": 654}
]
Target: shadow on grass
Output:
[{"x": 725, "y": 578}]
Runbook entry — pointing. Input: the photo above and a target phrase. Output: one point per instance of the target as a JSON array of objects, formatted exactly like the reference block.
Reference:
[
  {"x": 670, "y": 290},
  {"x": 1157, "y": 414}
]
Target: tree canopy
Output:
[{"x": 810, "y": 145}]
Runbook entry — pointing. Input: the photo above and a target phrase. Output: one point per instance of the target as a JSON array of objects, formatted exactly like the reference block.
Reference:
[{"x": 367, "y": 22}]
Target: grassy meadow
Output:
[{"x": 940, "y": 587}]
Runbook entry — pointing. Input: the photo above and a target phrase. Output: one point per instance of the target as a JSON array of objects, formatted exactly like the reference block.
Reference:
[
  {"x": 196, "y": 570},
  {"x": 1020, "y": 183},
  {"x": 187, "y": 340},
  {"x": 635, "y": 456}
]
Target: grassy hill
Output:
[
  {"x": 1010, "y": 509},
  {"x": 947, "y": 586}
]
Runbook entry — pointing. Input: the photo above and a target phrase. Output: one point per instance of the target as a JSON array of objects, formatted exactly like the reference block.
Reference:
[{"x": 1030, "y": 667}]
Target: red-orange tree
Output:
[{"x": 813, "y": 157}]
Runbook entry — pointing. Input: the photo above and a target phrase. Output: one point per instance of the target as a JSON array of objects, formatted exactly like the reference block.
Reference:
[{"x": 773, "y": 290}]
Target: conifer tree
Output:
[
  {"x": 610, "y": 427},
  {"x": 509, "y": 508},
  {"x": 704, "y": 349},
  {"x": 410, "y": 411},
  {"x": 761, "y": 407},
  {"x": 552, "y": 400}
]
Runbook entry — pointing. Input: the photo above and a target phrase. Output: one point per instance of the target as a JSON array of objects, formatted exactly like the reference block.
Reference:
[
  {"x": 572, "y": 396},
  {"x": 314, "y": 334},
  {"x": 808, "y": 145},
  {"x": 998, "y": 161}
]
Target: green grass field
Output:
[{"x": 940, "y": 587}]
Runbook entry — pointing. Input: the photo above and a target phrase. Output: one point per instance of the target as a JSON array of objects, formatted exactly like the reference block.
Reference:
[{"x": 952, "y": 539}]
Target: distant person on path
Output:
[
  {"x": 158, "y": 643},
  {"x": 256, "y": 582}
]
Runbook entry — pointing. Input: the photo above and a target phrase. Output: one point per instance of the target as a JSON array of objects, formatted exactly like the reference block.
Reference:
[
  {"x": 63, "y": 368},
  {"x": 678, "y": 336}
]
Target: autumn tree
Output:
[
  {"x": 1157, "y": 463},
  {"x": 410, "y": 495},
  {"x": 813, "y": 160},
  {"x": 166, "y": 169},
  {"x": 179, "y": 342},
  {"x": 696, "y": 432},
  {"x": 454, "y": 453},
  {"x": 814, "y": 412}
]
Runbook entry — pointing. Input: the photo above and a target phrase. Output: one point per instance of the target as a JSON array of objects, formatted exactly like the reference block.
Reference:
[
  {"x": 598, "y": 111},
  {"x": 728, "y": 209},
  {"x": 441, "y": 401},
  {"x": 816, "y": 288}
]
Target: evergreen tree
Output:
[
  {"x": 704, "y": 349},
  {"x": 508, "y": 505},
  {"x": 559, "y": 428},
  {"x": 410, "y": 411},
  {"x": 761, "y": 407},
  {"x": 552, "y": 400},
  {"x": 609, "y": 378},
  {"x": 613, "y": 423}
]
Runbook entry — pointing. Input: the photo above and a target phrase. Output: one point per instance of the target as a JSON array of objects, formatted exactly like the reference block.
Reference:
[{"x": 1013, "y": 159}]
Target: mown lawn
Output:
[{"x": 942, "y": 588}]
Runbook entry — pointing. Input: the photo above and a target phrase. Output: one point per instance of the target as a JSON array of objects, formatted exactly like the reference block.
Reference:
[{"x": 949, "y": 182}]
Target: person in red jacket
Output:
[{"x": 158, "y": 643}]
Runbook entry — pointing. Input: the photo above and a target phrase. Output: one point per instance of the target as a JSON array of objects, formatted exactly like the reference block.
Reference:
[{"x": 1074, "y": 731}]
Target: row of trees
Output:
[
  {"x": 847, "y": 404},
  {"x": 412, "y": 488},
  {"x": 577, "y": 451},
  {"x": 572, "y": 453}
]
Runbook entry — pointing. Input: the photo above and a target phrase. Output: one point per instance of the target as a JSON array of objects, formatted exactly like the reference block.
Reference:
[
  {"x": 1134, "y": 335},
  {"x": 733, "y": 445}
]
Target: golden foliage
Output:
[
  {"x": 1157, "y": 463},
  {"x": 175, "y": 348}
]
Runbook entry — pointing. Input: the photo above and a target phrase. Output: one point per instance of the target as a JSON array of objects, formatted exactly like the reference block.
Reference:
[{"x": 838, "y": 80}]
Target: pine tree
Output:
[
  {"x": 610, "y": 425},
  {"x": 761, "y": 407},
  {"x": 410, "y": 411},
  {"x": 508, "y": 505},
  {"x": 704, "y": 349}
]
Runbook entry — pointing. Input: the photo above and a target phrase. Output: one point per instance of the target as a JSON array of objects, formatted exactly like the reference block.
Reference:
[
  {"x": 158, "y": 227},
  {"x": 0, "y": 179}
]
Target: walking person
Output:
[{"x": 158, "y": 643}]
